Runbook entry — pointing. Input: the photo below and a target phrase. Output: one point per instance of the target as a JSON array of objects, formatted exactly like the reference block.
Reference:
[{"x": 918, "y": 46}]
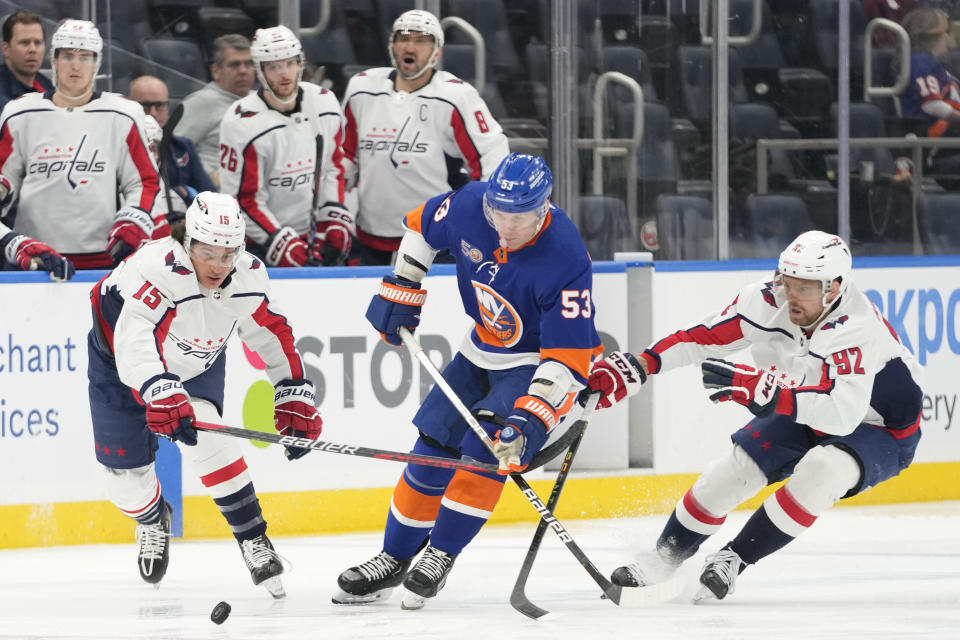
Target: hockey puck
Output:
[{"x": 220, "y": 612}]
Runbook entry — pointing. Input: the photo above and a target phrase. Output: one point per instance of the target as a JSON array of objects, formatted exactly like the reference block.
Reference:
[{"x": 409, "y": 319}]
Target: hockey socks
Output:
[
  {"x": 771, "y": 527},
  {"x": 152, "y": 514},
  {"x": 414, "y": 507},
  {"x": 466, "y": 506},
  {"x": 242, "y": 512}
]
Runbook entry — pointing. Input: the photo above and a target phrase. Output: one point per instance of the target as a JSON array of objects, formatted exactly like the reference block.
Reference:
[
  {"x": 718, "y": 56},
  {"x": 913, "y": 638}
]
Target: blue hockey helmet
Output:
[{"x": 520, "y": 184}]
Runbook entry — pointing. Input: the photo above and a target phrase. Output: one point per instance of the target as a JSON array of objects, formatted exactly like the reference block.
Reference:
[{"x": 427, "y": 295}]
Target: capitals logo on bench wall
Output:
[{"x": 499, "y": 316}]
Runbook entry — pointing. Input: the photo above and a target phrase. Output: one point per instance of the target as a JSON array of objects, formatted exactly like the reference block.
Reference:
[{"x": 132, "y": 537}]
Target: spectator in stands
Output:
[
  {"x": 179, "y": 164},
  {"x": 23, "y": 50},
  {"x": 203, "y": 110},
  {"x": 933, "y": 95},
  {"x": 412, "y": 131},
  {"x": 894, "y": 10}
]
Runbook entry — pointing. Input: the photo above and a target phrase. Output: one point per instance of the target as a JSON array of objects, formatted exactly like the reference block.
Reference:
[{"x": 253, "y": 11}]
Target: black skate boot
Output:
[
  {"x": 719, "y": 575},
  {"x": 427, "y": 577},
  {"x": 370, "y": 581},
  {"x": 649, "y": 569},
  {"x": 154, "y": 542},
  {"x": 264, "y": 564}
]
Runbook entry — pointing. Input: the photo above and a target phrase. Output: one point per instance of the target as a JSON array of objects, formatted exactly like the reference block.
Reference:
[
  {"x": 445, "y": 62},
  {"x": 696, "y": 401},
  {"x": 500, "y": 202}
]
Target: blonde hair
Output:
[{"x": 925, "y": 25}]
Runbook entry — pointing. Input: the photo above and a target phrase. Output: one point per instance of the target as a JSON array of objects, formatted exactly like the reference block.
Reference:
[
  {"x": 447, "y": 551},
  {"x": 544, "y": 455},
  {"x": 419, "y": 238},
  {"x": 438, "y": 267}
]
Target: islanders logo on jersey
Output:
[{"x": 499, "y": 317}]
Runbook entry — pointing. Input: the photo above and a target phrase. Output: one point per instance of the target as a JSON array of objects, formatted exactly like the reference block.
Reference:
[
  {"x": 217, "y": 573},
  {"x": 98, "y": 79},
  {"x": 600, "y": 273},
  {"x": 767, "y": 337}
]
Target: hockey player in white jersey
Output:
[
  {"x": 836, "y": 406},
  {"x": 69, "y": 155},
  {"x": 26, "y": 253},
  {"x": 412, "y": 132},
  {"x": 281, "y": 156},
  {"x": 162, "y": 320}
]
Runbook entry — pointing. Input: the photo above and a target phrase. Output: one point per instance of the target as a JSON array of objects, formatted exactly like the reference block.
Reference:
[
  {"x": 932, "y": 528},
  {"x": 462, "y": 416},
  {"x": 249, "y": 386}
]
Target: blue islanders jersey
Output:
[
  {"x": 528, "y": 305},
  {"x": 929, "y": 81}
]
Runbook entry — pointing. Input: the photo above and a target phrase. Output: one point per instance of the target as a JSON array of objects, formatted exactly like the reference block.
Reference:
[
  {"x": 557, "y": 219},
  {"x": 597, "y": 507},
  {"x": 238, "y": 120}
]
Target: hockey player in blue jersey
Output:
[
  {"x": 835, "y": 400},
  {"x": 162, "y": 321},
  {"x": 525, "y": 279}
]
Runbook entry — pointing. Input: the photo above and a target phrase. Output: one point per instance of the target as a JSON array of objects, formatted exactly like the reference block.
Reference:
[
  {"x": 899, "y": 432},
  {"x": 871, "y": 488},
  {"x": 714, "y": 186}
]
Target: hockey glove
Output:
[
  {"x": 6, "y": 191},
  {"x": 295, "y": 413},
  {"x": 333, "y": 228},
  {"x": 396, "y": 305},
  {"x": 169, "y": 413},
  {"x": 30, "y": 254},
  {"x": 757, "y": 390},
  {"x": 131, "y": 227},
  {"x": 524, "y": 434},
  {"x": 286, "y": 249},
  {"x": 618, "y": 375},
  {"x": 331, "y": 245}
]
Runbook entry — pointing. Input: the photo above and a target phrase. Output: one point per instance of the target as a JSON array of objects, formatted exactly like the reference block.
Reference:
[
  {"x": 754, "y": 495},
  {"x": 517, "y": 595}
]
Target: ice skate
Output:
[
  {"x": 719, "y": 575},
  {"x": 427, "y": 577},
  {"x": 650, "y": 568},
  {"x": 649, "y": 581},
  {"x": 154, "y": 542},
  {"x": 264, "y": 564},
  {"x": 370, "y": 581}
]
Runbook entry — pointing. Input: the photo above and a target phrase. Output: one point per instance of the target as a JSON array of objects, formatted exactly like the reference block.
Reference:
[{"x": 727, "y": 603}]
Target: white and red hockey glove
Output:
[
  {"x": 287, "y": 249},
  {"x": 131, "y": 227},
  {"x": 755, "y": 389},
  {"x": 169, "y": 413},
  {"x": 334, "y": 228},
  {"x": 616, "y": 377},
  {"x": 295, "y": 413},
  {"x": 30, "y": 254}
]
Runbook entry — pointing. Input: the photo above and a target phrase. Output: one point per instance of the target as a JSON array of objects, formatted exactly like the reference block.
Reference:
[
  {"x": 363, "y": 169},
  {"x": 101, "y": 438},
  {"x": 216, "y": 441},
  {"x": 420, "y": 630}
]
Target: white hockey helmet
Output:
[
  {"x": 815, "y": 255},
  {"x": 275, "y": 43},
  {"x": 76, "y": 34},
  {"x": 418, "y": 21},
  {"x": 215, "y": 219}
]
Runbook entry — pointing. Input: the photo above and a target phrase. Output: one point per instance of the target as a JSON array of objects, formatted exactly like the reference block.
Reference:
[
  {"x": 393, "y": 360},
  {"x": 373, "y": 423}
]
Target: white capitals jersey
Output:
[
  {"x": 852, "y": 369},
  {"x": 404, "y": 144},
  {"x": 267, "y": 159},
  {"x": 69, "y": 166},
  {"x": 155, "y": 316}
]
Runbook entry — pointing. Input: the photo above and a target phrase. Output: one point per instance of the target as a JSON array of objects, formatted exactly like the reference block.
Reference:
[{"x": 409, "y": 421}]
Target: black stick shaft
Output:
[{"x": 346, "y": 449}]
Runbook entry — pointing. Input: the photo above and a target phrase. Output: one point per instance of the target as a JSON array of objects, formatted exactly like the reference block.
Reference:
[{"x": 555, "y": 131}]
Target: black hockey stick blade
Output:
[
  {"x": 346, "y": 449},
  {"x": 518, "y": 597}
]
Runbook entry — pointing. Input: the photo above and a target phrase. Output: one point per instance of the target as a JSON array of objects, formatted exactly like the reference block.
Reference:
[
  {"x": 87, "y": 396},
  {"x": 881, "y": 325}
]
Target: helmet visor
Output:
[{"x": 212, "y": 255}]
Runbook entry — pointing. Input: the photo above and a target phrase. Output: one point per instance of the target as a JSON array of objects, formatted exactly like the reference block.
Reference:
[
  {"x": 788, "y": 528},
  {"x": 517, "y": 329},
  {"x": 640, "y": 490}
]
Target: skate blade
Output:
[
  {"x": 274, "y": 587},
  {"x": 654, "y": 594},
  {"x": 703, "y": 595},
  {"x": 412, "y": 602},
  {"x": 342, "y": 597}
]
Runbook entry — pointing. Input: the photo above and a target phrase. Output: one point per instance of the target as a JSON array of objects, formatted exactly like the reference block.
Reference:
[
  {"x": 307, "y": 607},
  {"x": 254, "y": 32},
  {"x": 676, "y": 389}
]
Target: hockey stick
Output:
[
  {"x": 311, "y": 114},
  {"x": 611, "y": 590},
  {"x": 518, "y": 597},
  {"x": 345, "y": 449},
  {"x": 542, "y": 458},
  {"x": 162, "y": 151}
]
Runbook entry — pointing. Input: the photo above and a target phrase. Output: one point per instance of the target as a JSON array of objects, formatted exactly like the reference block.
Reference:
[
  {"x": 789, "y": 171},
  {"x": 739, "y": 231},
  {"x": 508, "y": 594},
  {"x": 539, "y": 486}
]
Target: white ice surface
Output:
[{"x": 873, "y": 573}]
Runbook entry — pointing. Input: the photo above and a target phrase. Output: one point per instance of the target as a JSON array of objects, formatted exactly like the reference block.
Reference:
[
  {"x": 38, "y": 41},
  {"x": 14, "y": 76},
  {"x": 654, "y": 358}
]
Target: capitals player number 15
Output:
[
  {"x": 575, "y": 303},
  {"x": 148, "y": 295}
]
